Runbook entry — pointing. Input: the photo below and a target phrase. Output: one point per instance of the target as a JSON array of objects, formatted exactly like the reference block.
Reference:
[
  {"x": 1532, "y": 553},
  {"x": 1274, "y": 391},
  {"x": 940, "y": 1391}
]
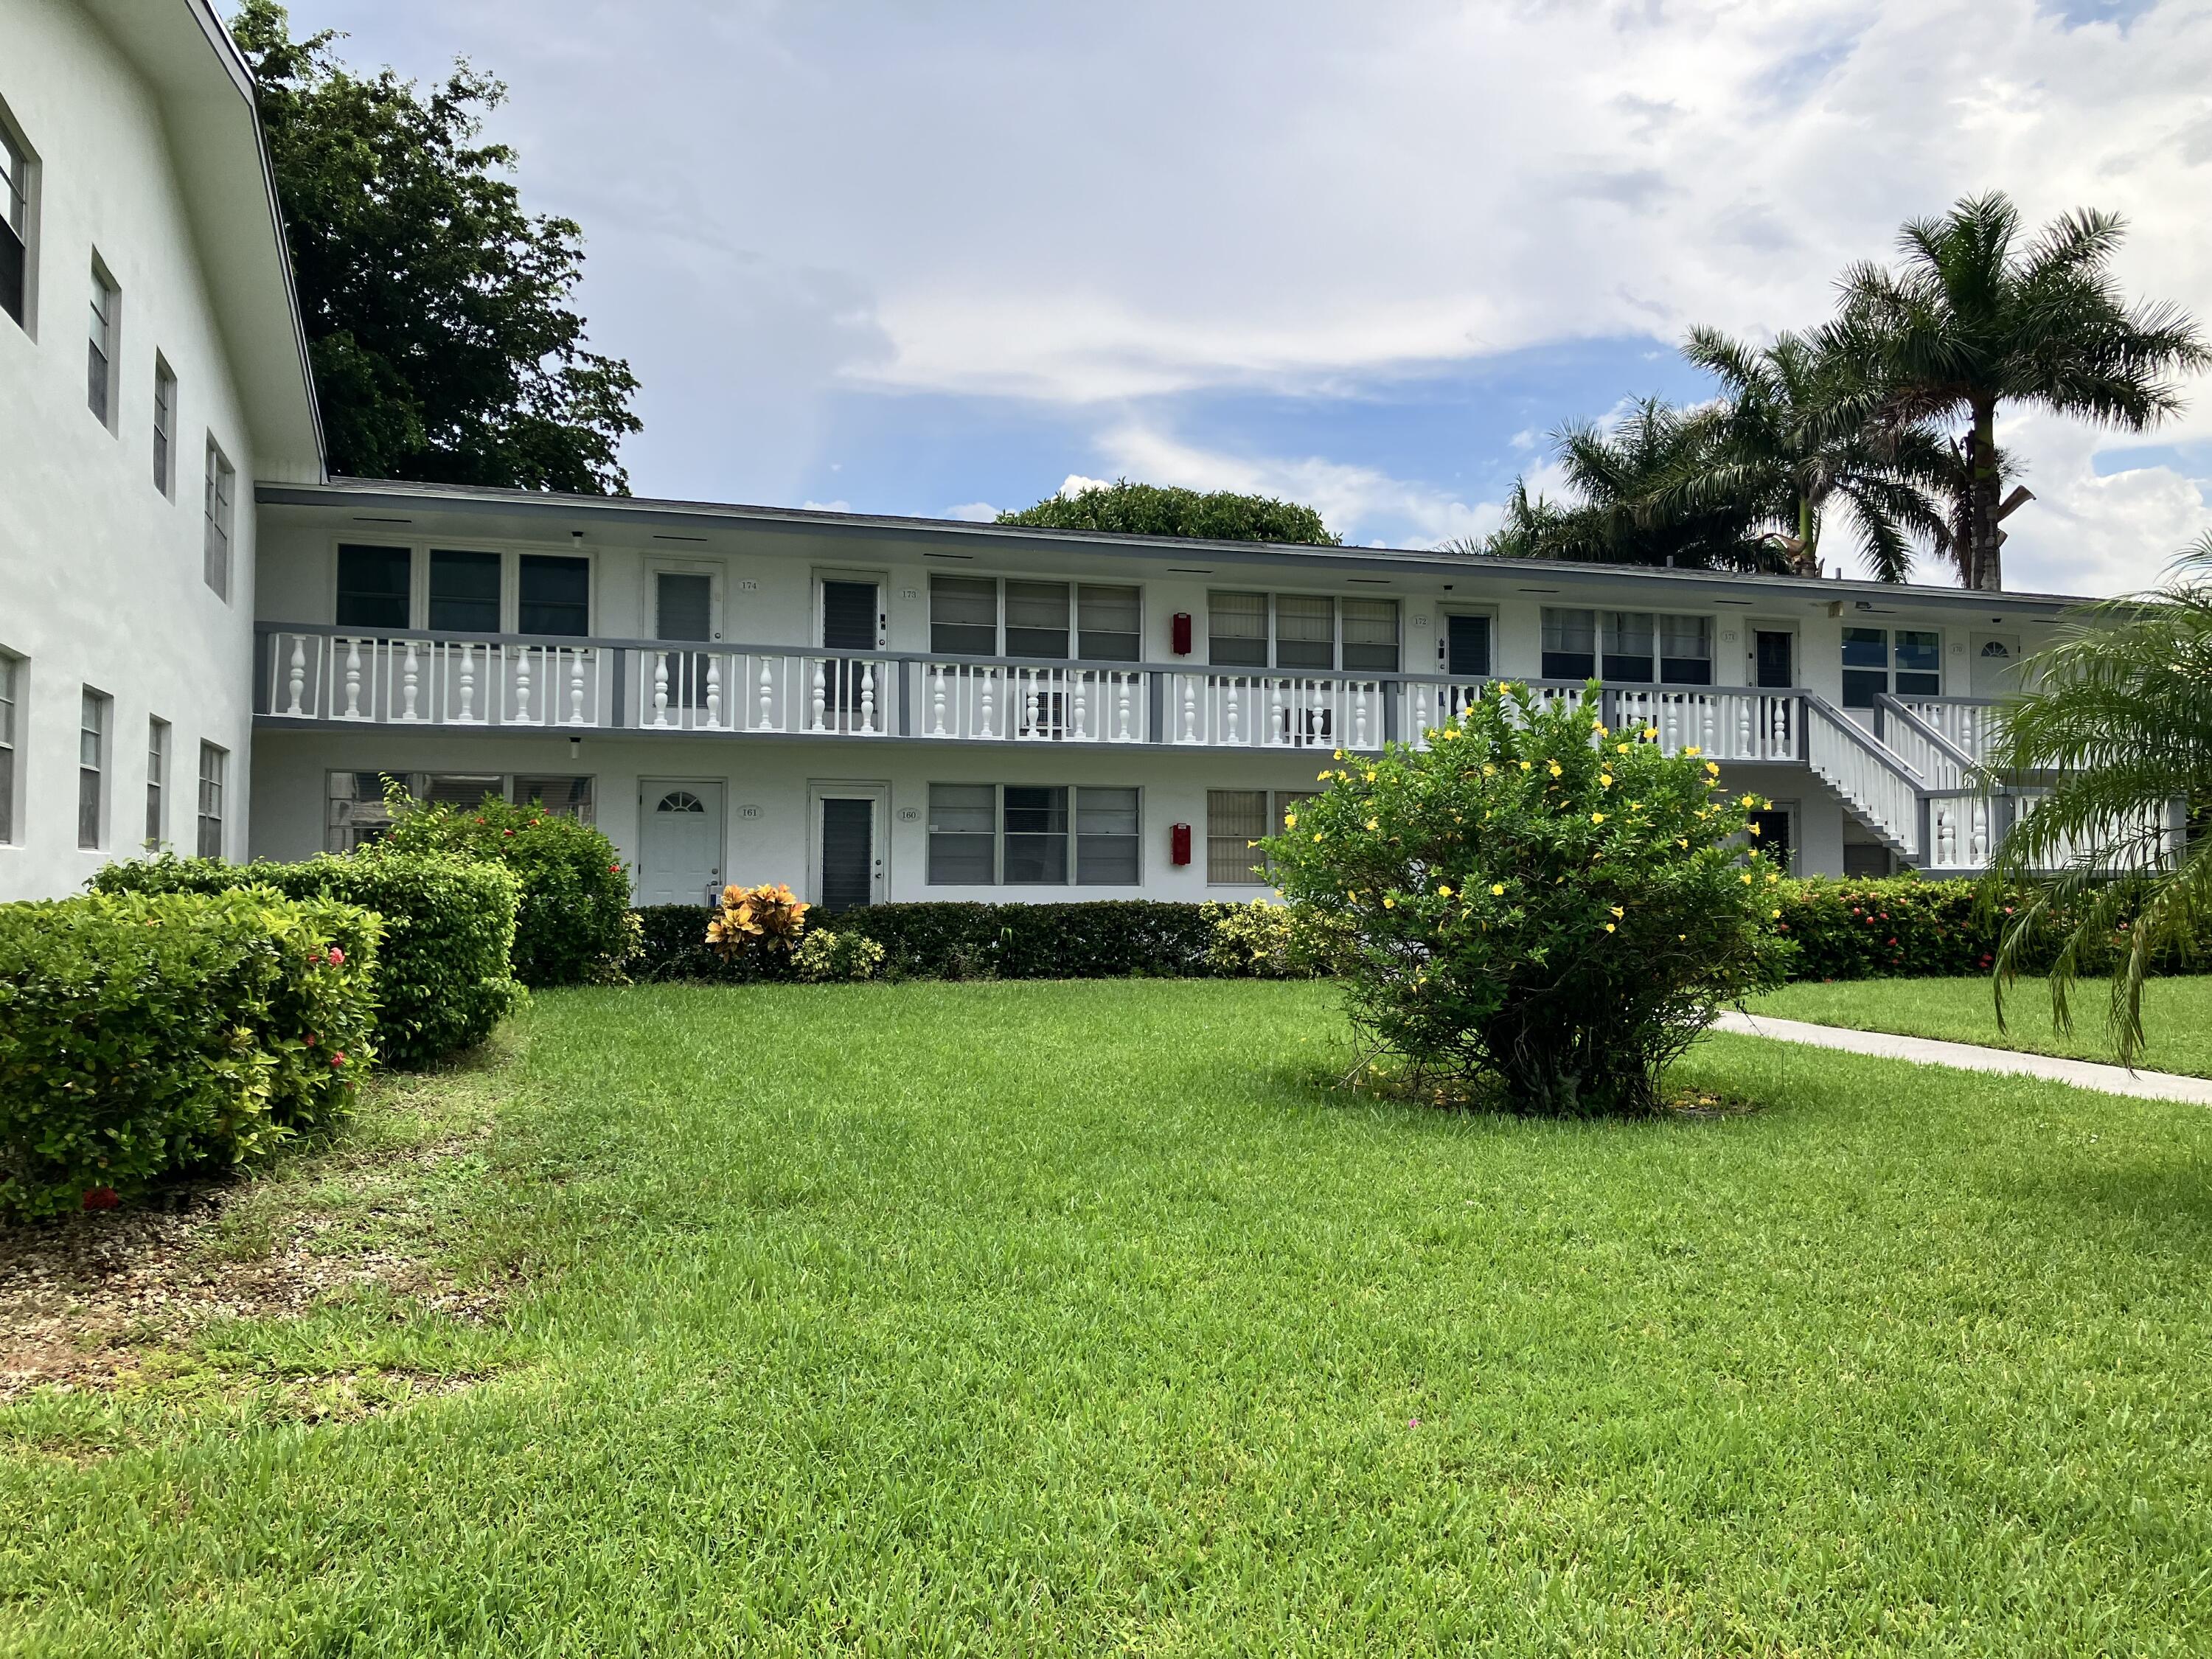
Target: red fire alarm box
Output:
[
  {"x": 1182, "y": 636},
  {"x": 1179, "y": 841}
]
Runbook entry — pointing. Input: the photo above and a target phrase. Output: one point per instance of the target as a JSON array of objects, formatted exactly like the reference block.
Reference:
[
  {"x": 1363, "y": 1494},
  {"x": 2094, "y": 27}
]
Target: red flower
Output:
[
  {"x": 614, "y": 869},
  {"x": 337, "y": 957},
  {"x": 509, "y": 834},
  {"x": 101, "y": 1198},
  {"x": 338, "y": 1059},
  {"x": 310, "y": 1039}
]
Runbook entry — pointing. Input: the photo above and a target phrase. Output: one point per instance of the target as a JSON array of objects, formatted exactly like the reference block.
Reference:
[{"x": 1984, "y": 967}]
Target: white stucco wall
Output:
[{"x": 101, "y": 573}]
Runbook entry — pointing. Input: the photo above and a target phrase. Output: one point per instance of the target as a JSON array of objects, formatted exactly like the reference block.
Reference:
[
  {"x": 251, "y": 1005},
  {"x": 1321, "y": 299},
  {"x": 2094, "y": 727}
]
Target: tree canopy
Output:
[
  {"x": 1138, "y": 509},
  {"x": 437, "y": 310}
]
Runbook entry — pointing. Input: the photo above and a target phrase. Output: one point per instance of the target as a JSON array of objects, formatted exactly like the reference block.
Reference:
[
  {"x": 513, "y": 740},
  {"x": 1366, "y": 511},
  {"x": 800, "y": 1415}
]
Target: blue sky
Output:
[{"x": 940, "y": 259}]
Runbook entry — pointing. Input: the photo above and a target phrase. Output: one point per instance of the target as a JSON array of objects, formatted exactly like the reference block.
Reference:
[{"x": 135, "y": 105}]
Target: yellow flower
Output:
[
  {"x": 1621, "y": 748},
  {"x": 1447, "y": 734},
  {"x": 1598, "y": 726},
  {"x": 1290, "y": 820},
  {"x": 1651, "y": 734},
  {"x": 1713, "y": 766},
  {"x": 1693, "y": 749},
  {"x": 1681, "y": 936},
  {"x": 1373, "y": 824},
  {"x": 1772, "y": 878},
  {"x": 1524, "y": 766},
  {"x": 1321, "y": 776},
  {"x": 1338, "y": 755},
  {"x": 1316, "y": 835},
  {"x": 1370, "y": 774},
  {"x": 1618, "y": 911},
  {"x": 1389, "y": 903},
  {"x": 1498, "y": 890},
  {"x": 1679, "y": 841},
  {"x": 1609, "y": 927},
  {"x": 1555, "y": 768},
  {"x": 1746, "y": 878},
  {"x": 1754, "y": 829},
  {"x": 1776, "y": 915},
  {"x": 1489, "y": 771},
  {"x": 1605, "y": 780},
  {"x": 1442, "y": 892},
  {"x": 1597, "y": 818},
  {"x": 1748, "y": 800}
]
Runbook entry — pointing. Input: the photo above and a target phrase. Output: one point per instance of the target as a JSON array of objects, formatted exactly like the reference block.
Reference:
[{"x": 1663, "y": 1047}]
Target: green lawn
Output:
[
  {"x": 1082, "y": 1318},
  {"x": 2177, "y": 1016}
]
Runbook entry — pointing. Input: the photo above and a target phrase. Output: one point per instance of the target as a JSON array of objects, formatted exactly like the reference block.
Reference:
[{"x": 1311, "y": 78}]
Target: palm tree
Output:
[
  {"x": 1797, "y": 432},
  {"x": 1971, "y": 321},
  {"x": 2117, "y": 729},
  {"x": 1620, "y": 512}
]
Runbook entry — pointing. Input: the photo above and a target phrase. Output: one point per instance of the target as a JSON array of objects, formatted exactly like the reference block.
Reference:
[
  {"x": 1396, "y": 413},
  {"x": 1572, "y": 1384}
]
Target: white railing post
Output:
[
  {"x": 298, "y": 675},
  {"x": 353, "y": 679},
  {"x": 714, "y": 690},
  {"x": 821, "y": 699},
  {"x": 468, "y": 682},
  {"x": 868, "y": 695},
  {"x": 575, "y": 687},
  {"x": 660, "y": 688},
  {"x": 522, "y": 686}
]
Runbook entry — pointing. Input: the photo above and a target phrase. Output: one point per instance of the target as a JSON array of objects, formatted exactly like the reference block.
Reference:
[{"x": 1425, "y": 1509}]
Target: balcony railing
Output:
[{"x": 333, "y": 676}]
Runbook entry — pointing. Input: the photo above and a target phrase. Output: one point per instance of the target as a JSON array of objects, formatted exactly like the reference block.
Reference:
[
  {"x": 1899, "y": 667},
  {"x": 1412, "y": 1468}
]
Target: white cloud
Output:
[
  {"x": 2085, "y": 533},
  {"x": 1364, "y": 504},
  {"x": 1076, "y": 484},
  {"x": 827, "y": 507},
  {"x": 972, "y": 512}
]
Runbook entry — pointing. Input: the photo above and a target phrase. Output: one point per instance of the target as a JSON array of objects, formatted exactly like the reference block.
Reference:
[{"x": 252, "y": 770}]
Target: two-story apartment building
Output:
[{"x": 205, "y": 643}]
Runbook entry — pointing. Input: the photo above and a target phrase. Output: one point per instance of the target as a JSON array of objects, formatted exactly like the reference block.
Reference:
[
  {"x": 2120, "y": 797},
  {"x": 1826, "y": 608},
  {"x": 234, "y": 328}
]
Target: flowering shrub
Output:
[
  {"x": 572, "y": 924},
  {"x": 848, "y": 956},
  {"x": 763, "y": 921},
  {"x": 1534, "y": 903},
  {"x": 143, "y": 1034},
  {"x": 1261, "y": 940}
]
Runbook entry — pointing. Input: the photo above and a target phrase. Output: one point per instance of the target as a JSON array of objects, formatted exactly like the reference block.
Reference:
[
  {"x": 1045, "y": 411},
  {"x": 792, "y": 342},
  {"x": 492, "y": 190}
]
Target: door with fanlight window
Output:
[{"x": 679, "y": 859}]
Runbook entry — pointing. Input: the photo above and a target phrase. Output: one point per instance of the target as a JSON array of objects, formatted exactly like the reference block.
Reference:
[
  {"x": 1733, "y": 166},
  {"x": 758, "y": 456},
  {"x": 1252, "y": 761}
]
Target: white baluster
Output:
[
  {"x": 867, "y": 696},
  {"x": 1229, "y": 710},
  {"x": 1278, "y": 724},
  {"x": 714, "y": 691},
  {"x": 1190, "y": 709},
  {"x": 409, "y": 680},
  {"x": 575, "y": 688},
  {"x": 660, "y": 688},
  {"x": 1082, "y": 678},
  {"x": 821, "y": 692},
  {"x": 1423, "y": 725},
  {"x": 1978, "y": 830},
  {"x": 1122, "y": 683},
  {"x": 468, "y": 682},
  {"x": 297, "y": 679},
  {"x": 1028, "y": 701},
  {"x": 988, "y": 679},
  {"x": 1744, "y": 728},
  {"x": 937, "y": 699},
  {"x": 522, "y": 686},
  {"x": 1360, "y": 715},
  {"x": 767, "y": 696},
  {"x": 1946, "y": 834},
  {"x": 353, "y": 680}
]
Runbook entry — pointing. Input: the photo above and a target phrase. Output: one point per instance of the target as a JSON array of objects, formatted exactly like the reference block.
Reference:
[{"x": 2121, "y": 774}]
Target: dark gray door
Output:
[
  {"x": 849, "y": 613},
  {"x": 684, "y": 608},
  {"x": 848, "y": 853},
  {"x": 1773, "y": 651},
  {"x": 1466, "y": 648}
]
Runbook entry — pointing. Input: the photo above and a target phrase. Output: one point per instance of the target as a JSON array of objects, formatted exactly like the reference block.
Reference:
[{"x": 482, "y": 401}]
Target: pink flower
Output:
[
  {"x": 337, "y": 957},
  {"x": 338, "y": 1059},
  {"x": 310, "y": 1039},
  {"x": 1413, "y": 1422},
  {"x": 101, "y": 1198}
]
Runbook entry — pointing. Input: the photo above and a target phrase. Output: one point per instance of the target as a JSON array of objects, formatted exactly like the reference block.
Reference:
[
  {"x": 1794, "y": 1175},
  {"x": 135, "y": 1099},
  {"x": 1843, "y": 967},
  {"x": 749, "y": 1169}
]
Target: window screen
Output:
[
  {"x": 1108, "y": 623},
  {"x": 1305, "y": 631},
  {"x": 7, "y": 694},
  {"x": 563, "y": 797},
  {"x": 461, "y": 790},
  {"x": 14, "y": 229},
  {"x": 1628, "y": 638},
  {"x": 1685, "y": 650},
  {"x": 1370, "y": 635},
  {"x": 962, "y": 834},
  {"x": 964, "y": 616},
  {"x": 91, "y": 765},
  {"x": 465, "y": 592},
  {"x": 1919, "y": 664},
  {"x": 214, "y": 764},
  {"x": 1236, "y": 629},
  {"x": 1106, "y": 839},
  {"x": 372, "y": 587},
  {"x": 1466, "y": 646},
  {"x": 553, "y": 595},
  {"x": 99, "y": 346},
  {"x": 215, "y": 554},
  {"x": 1569, "y": 644},
  {"x": 1866, "y": 665},
  {"x": 1036, "y": 835},
  {"x": 1235, "y": 819},
  {"x": 1036, "y": 619}
]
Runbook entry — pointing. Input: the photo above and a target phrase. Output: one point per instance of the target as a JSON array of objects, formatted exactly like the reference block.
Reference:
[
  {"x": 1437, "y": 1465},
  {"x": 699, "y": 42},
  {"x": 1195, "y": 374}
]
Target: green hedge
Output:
[
  {"x": 572, "y": 925},
  {"x": 442, "y": 977},
  {"x": 143, "y": 1034},
  {"x": 1896, "y": 926}
]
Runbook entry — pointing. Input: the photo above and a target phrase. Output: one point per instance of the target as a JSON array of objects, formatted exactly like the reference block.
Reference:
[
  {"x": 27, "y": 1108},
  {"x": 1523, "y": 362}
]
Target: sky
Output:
[{"x": 940, "y": 257}]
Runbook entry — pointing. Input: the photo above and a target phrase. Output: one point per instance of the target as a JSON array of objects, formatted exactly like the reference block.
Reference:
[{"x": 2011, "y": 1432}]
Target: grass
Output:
[
  {"x": 1085, "y": 1318},
  {"x": 2177, "y": 1016}
]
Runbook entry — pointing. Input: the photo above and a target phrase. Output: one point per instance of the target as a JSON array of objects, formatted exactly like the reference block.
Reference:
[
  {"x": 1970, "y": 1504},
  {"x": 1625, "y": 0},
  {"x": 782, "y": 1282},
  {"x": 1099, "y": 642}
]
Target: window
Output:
[
  {"x": 374, "y": 587},
  {"x": 1467, "y": 646},
  {"x": 1569, "y": 644},
  {"x": 213, "y": 763},
  {"x": 165, "y": 427},
  {"x": 1871, "y": 654},
  {"x": 1309, "y": 632},
  {"x": 1235, "y": 819},
  {"x": 221, "y": 484},
  {"x": 100, "y": 345},
  {"x": 982, "y": 834},
  {"x": 964, "y": 614},
  {"x": 1776, "y": 836},
  {"x": 92, "y": 769},
  {"x": 157, "y": 779},
  {"x": 464, "y": 591},
  {"x": 1685, "y": 650},
  {"x": 553, "y": 595},
  {"x": 15, "y": 228},
  {"x": 357, "y": 814},
  {"x": 1627, "y": 646},
  {"x": 10, "y": 690}
]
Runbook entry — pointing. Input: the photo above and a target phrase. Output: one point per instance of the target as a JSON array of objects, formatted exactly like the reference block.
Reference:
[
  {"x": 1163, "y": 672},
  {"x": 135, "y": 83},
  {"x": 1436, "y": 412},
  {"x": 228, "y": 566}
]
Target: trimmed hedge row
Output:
[
  {"x": 143, "y": 1034},
  {"x": 1897, "y": 927},
  {"x": 442, "y": 977}
]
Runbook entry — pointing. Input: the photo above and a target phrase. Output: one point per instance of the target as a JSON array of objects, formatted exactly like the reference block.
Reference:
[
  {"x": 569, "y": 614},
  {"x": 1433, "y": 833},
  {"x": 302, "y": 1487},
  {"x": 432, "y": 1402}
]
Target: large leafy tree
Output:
[
  {"x": 1793, "y": 437},
  {"x": 2117, "y": 729},
  {"x": 1975, "y": 319},
  {"x": 1623, "y": 509},
  {"x": 437, "y": 310},
  {"x": 1140, "y": 509}
]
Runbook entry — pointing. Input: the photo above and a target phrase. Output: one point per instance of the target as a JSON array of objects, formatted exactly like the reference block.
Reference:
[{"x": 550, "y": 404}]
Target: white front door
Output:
[
  {"x": 1996, "y": 656},
  {"x": 848, "y": 853},
  {"x": 679, "y": 841}
]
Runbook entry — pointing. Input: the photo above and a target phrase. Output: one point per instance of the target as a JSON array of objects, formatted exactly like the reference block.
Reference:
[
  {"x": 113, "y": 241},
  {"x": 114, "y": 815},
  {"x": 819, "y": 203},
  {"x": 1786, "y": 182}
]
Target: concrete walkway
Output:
[{"x": 1972, "y": 1057}]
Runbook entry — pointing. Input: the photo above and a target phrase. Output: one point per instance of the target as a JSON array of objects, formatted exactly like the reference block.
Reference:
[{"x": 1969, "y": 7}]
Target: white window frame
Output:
[
  {"x": 1073, "y": 834},
  {"x": 19, "y": 208},
  {"x": 165, "y": 427},
  {"x": 211, "y": 821},
  {"x": 1273, "y": 665},
  {"x": 160, "y": 742},
  {"x": 510, "y": 556},
  {"x": 348, "y": 811},
  {"x": 1276, "y": 803},
  {"x": 103, "y": 336},
  {"x": 1001, "y": 645},
  {"x": 13, "y": 678},
  {"x": 1659, "y": 659},
  {"x": 1889, "y": 670},
  {"x": 96, "y": 765},
  {"x": 218, "y": 511}
]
